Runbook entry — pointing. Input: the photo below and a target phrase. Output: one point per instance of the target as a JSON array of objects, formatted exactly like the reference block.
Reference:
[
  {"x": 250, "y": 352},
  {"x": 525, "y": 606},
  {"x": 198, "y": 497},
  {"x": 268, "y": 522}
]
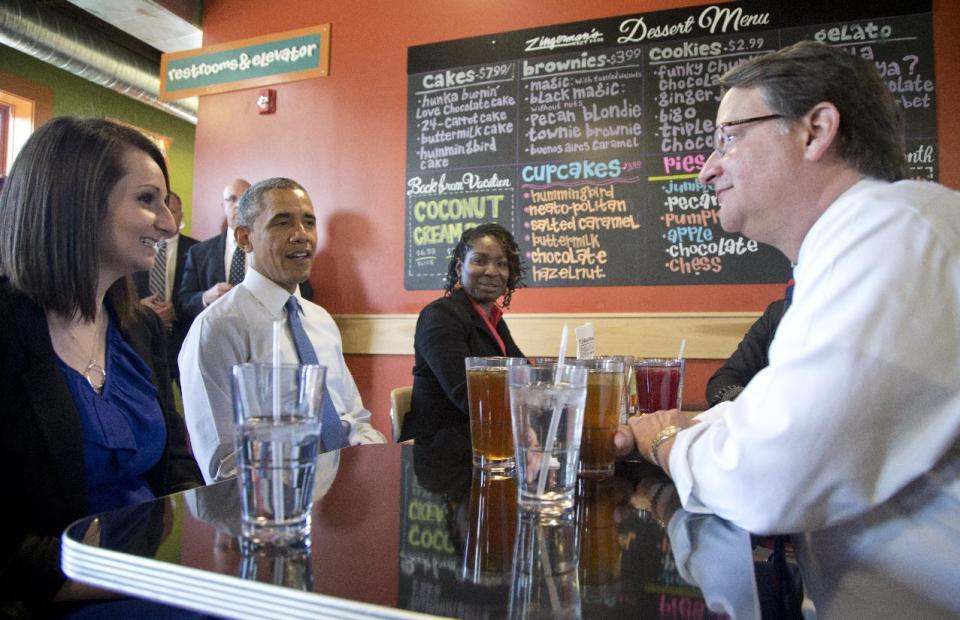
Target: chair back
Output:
[{"x": 399, "y": 406}]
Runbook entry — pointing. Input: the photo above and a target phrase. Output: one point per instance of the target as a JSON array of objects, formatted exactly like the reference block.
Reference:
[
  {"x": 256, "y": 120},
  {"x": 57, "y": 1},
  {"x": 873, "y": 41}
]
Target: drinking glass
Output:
[
  {"x": 277, "y": 415},
  {"x": 659, "y": 384},
  {"x": 601, "y": 416},
  {"x": 547, "y": 405},
  {"x": 489, "y": 401}
]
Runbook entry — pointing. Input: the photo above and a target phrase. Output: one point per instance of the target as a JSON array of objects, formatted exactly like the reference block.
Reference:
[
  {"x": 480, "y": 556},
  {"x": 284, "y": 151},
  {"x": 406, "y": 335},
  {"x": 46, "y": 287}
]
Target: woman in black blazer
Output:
[
  {"x": 465, "y": 322},
  {"x": 87, "y": 416}
]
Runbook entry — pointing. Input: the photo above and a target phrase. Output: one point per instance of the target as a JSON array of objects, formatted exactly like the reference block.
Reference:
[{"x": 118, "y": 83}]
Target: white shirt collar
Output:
[{"x": 267, "y": 292}]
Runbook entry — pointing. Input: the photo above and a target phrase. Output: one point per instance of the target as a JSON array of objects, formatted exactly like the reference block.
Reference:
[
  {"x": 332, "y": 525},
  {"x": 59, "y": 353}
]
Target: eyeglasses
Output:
[{"x": 722, "y": 140}]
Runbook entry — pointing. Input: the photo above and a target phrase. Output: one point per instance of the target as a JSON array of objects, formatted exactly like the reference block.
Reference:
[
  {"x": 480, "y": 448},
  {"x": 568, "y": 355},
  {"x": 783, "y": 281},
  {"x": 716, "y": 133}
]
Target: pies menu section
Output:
[{"x": 585, "y": 139}]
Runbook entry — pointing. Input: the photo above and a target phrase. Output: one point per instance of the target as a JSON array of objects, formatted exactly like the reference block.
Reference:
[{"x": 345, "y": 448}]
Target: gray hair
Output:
[
  {"x": 251, "y": 202},
  {"x": 796, "y": 78}
]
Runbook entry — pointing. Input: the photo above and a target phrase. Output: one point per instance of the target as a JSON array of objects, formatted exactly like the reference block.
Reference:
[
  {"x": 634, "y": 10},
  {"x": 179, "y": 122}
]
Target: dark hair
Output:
[
  {"x": 795, "y": 78},
  {"x": 505, "y": 239},
  {"x": 251, "y": 201},
  {"x": 52, "y": 210}
]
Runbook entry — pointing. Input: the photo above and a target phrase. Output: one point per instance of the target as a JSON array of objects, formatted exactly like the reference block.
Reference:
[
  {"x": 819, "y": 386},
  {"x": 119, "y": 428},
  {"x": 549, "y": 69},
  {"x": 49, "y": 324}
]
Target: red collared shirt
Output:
[{"x": 496, "y": 313}]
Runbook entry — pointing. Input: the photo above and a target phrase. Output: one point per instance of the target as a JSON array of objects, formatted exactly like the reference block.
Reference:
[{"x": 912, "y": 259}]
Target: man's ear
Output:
[
  {"x": 822, "y": 126},
  {"x": 241, "y": 234}
]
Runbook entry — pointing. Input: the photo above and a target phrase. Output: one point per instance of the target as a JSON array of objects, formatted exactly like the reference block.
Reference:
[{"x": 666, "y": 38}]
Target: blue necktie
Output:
[{"x": 331, "y": 431}]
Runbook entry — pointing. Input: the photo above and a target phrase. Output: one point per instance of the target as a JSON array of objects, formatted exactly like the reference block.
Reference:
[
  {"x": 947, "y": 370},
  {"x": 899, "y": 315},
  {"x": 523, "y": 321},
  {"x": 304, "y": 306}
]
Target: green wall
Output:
[{"x": 76, "y": 96}]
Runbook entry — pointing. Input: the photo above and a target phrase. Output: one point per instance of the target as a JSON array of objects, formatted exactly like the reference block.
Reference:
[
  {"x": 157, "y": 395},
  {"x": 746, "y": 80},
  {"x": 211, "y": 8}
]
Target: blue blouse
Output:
[{"x": 124, "y": 431}]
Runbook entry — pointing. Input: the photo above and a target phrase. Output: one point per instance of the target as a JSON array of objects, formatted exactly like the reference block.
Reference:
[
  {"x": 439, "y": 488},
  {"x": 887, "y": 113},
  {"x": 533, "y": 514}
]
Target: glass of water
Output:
[
  {"x": 546, "y": 404},
  {"x": 277, "y": 415}
]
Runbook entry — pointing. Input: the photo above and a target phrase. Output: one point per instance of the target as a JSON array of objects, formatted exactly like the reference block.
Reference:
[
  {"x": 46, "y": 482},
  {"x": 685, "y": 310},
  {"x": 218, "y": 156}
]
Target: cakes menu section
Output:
[{"x": 585, "y": 140}]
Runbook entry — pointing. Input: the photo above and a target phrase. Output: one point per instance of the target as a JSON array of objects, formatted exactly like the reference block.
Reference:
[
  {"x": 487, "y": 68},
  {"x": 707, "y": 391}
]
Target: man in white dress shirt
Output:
[
  {"x": 277, "y": 228},
  {"x": 850, "y": 439}
]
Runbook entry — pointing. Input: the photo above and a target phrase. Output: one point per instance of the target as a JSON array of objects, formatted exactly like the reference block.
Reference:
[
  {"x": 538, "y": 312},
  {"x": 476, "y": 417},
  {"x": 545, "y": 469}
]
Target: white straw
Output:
[
  {"x": 683, "y": 345},
  {"x": 276, "y": 370},
  {"x": 279, "y": 509},
  {"x": 563, "y": 353},
  {"x": 554, "y": 420}
]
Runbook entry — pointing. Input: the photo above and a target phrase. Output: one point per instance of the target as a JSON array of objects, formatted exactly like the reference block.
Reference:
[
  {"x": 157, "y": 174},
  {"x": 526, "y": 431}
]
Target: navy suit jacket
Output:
[
  {"x": 141, "y": 280},
  {"x": 204, "y": 268}
]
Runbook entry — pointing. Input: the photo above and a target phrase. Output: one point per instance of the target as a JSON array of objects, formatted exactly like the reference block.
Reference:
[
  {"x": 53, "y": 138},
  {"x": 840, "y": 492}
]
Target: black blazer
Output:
[
  {"x": 204, "y": 268},
  {"x": 41, "y": 448},
  {"x": 448, "y": 330},
  {"x": 141, "y": 280},
  {"x": 749, "y": 358}
]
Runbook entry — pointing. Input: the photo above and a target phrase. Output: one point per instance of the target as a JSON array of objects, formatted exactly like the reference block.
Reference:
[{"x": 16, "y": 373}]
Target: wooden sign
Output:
[{"x": 249, "y": 63}]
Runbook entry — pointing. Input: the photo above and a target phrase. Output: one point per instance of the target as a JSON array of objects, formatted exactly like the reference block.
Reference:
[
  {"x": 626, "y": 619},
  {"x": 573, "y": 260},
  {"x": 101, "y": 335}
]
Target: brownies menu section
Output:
[{"x": 585, "y": 139}]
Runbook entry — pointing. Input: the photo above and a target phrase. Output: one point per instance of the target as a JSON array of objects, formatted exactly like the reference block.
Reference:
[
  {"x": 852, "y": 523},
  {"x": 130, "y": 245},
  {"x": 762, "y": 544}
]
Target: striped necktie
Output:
[
  {"x": 237, "y": 264},
  {"x": 331, "y": 431},
  {"x": 158, "y": 273}
]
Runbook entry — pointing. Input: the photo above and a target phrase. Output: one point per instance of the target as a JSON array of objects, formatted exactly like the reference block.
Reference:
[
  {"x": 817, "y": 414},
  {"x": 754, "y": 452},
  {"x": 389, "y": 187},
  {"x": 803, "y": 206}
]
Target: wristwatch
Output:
[
  {"x": 726, "y": 393},
  {"x": 662, "y": 436}
]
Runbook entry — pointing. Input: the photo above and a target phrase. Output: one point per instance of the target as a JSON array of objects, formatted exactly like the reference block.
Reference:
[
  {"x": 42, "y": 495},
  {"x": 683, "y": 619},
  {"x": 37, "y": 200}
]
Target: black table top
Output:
[{"x": 399, "y": 531}]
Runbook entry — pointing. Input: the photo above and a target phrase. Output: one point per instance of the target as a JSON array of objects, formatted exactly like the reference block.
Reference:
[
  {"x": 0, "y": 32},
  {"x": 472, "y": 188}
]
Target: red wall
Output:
[{"x": 343, "y": 137}]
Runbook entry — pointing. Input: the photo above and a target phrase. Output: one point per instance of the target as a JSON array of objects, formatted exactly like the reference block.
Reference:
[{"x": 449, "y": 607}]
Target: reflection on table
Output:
[{"x": 398, "y": 530}]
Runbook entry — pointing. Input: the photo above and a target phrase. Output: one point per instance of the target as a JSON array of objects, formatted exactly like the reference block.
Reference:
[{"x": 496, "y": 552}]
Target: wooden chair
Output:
[{"x": 399, "y": 406}]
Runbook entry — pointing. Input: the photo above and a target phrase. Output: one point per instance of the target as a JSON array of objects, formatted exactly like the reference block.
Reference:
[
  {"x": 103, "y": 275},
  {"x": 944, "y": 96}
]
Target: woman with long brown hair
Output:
[{"x": 88, "y": 419}]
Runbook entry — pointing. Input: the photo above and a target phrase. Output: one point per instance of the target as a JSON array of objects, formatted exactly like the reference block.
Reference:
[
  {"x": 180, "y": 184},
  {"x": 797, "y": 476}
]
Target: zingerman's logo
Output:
[{"x": 564, "y": 40}]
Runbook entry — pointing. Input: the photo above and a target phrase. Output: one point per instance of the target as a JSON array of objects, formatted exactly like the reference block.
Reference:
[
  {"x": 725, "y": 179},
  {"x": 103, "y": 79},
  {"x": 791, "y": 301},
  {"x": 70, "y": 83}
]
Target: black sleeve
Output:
[
  {"x": 749, "y": 358},
  {"x": 512, "y": 349},
  {"x": 443, "y": 341},
  {"x": 189, "y": 297}
]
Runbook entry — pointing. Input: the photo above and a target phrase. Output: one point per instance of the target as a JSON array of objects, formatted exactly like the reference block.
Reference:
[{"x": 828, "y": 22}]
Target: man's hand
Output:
[
  {"x": 641, "y": 430},
  {"x": 215, "y": 292}
]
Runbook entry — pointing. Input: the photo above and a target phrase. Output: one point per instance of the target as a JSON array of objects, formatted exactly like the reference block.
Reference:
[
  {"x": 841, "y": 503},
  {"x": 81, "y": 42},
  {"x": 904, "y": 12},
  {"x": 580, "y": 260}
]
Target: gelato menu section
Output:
[{"x": 585, "y": 139}]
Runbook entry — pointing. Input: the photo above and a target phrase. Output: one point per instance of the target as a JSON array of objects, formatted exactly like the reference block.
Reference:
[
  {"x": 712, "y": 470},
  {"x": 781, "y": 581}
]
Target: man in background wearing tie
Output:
[
  {"x": 276, "y": 227},
  {"x": 156, "y": 287},
  {"x": 215, "y": 265}
]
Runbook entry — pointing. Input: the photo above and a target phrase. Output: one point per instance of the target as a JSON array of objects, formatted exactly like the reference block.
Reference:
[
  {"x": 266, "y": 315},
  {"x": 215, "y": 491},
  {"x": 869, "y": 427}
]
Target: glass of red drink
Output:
[{"x": 659, "y": 384}]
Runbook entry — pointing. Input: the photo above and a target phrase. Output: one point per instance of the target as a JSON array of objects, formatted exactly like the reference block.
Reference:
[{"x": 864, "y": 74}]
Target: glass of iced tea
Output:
[
  {"x": 490, "y": 427},
  {"x": 605, "y": 394},
  {"x": 659, "y": 384}
]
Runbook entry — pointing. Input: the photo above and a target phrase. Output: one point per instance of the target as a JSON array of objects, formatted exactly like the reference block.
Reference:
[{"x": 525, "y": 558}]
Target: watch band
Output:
[
  {"x": 726, "y": 393},
  {"x": 662, "y": 436}
]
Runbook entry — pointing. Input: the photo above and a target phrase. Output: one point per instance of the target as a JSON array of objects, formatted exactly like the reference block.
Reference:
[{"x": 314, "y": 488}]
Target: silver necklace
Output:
[{"x": 94, "y": 373}]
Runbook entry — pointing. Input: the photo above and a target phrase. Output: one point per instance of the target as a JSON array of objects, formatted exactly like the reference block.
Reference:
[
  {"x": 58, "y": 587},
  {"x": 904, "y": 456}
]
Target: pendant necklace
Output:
[{"x": 94, "y": 373}]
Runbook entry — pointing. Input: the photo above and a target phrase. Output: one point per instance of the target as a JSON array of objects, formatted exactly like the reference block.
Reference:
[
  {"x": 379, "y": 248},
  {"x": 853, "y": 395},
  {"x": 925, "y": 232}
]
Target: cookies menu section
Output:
[{"x": 585, "y": 139}]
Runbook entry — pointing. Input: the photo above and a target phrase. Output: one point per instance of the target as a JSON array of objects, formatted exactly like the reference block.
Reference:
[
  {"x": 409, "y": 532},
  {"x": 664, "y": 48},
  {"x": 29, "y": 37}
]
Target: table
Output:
[{"x": 408, "y": 531}]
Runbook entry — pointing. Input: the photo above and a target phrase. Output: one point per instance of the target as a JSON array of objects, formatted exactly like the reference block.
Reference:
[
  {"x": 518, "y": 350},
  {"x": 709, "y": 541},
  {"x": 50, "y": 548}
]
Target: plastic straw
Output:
[
  {"x": 276, "y": 370},
  {"x": 276, "y": 484},
  {"x": 563, "y": 354},
  {"x": 554, "y": 420},
  {"x": 683, "y": 345}
]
